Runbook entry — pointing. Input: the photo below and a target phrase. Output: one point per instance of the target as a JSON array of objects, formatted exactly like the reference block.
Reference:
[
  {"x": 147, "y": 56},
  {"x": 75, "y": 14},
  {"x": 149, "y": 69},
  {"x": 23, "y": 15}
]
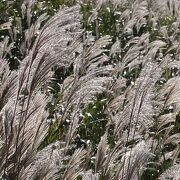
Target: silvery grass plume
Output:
[
  {"x": 142, "y": 108},
  {"x": 23, "y": 116},
  {"x": 138, "y": 13},
  {"x": 89, "y": 175},
  {"x": 120, "y": 163},
  {"x": 140, "y": 54},
  {"x": 138, "y": 111},
  {"x": 32, "y": 30},
  {"x": 134, "y": 161},
  {"x": 149, "y": 96},
  {"x": 107, "y": 159},
  {"x": 135, "y": 119},
  {"x": 89, "y": 78},
  {"x": 45, "y": 164},
  {"x": 75, "y": 166},
  {"x": 143, "y": 95},
  {"x": 171, "y": 173}
]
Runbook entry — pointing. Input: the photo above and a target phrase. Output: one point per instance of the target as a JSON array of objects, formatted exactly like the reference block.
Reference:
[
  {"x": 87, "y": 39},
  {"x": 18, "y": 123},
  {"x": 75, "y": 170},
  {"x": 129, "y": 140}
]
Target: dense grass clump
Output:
[{"x": 90, "y": 90}]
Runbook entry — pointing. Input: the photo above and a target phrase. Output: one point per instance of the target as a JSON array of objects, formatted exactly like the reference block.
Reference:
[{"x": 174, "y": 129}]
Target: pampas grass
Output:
[{"x": 138, "y": 71}]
